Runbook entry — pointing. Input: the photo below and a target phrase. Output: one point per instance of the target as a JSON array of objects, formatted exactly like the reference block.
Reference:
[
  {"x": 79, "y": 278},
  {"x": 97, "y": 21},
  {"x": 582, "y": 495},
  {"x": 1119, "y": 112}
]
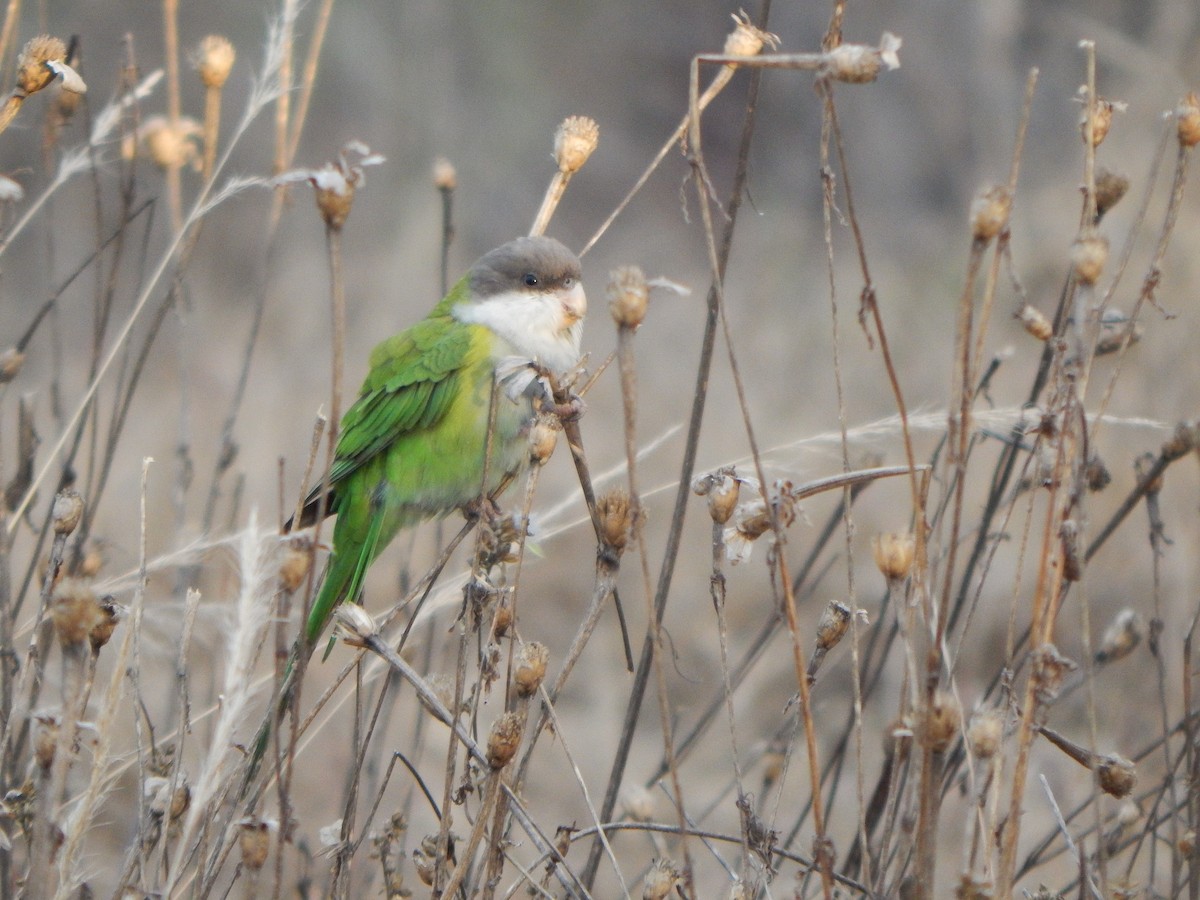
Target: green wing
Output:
[{"x": 413, "y": 380}]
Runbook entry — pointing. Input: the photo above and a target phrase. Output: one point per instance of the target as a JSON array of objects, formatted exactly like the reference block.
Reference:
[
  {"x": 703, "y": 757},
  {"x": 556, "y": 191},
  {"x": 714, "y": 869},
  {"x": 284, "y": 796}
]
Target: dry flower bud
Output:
[
  {"x": 1050, "y": 670},
  {"x": 1122, "y": 636},
  {"x": 45, "y": 740},
  {"x": 445, "y": 176},
  {"x": 747, "y": 39},
  {"x": 34, "y": 71},
  {"x": 722, "y": 488},
  {"x": 660, "y": 881},
  {"x": 628, "y": 296},
  {"x": 1187, "y": 114},
  {"x": 614, "y": 512},
  {"x": 1036, "y": 322},
  {"x": 1117, "y": 775},
  {"x": 75, "y": 611},
  {"x": 860, "y": 64},
  {"x": 297, "y": 560},
  {"x": 574, "y": 142},
  {"x": 543, "y": 437},
  {"x": 894, "y": 552},
  {"x": 941, "y": 722},
  {"x": 354, "y": 624},
  {"x": 1100, "y": 118},
  {"x": 985, "y": 731},
  {"x": 504, "y": 740},
  {"x": 1088, "y": 256},
  {"x": 66, "y": 512},
  {"x": 530, "y": 668},
  {"x": 11, "y": 361},
  {"x": 254, "y": 840},
  {"x": 110, "y": 617},
  {"x": 638, "y": 803},
  {"x": 835, "y": 620},
  {"x": 214, "y": 60},
  {"x": 989, "y": 212},
  {"x": 335, "y": 183},
  {"x": 1110, "y": 188}
]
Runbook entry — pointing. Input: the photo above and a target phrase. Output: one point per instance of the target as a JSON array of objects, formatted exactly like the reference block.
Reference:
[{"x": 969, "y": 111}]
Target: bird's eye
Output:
[
  {"x": 530, "y": 279},
  {"x": 568, "y": 282}
]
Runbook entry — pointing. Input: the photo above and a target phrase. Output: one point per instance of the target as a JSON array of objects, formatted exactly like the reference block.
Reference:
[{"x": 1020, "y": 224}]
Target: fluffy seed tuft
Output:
[
  {"x": 214, "y": 59},
  {"x": 574, "y": 142}
]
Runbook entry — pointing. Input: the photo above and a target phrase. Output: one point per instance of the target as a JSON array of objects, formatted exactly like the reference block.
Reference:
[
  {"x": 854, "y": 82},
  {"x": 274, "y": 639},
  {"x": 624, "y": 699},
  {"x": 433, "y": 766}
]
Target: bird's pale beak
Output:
[{"x": 574, "y": 303}]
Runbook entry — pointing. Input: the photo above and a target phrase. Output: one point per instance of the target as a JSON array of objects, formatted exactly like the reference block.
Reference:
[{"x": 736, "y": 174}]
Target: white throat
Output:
[{"x": 532, "y": 324}]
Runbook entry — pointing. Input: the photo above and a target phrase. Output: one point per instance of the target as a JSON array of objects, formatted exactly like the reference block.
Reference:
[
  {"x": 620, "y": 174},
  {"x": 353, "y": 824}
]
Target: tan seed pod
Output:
[
  {"x": 835, "y": 620},
  {"x": 990, "y": 211},
  {"x": 1088, "y": 256},
  {"x": 985, "y": 732},
  {"x": 941, "y": 722},
  {"x": 355, "y": 624},
  {"x": 1100, "y": 119},
  {"x": 254, "y": 841},
  {"x": 628, "y": 296},
  {"x": 529, "y": 668},
  {"x": 33, "y": 71},
  {"x": 574, "y": 142},
  {"x": 861, "y": 64},
  {"x": 1122, "y": 636},
  {"x": 11, "y": 361},
  {"x": 214, "y": 60},
  {"x": 747, "y": 39},
  {"x": 296, "y": 562},
  {"x": 75, "y": 611},
  {"x": 445, "y": 176},
  {"x": 334, "y": 204},
  {"x": 894, "y": 553},
  {"x": 1187, "y": 114},
  {"x": 721, "y": 488},
  {"x": 504, "y": 740},
  {"x": 660, "y": 881},
  {"x": 171, "y": 146},
  {"x": 615, "y": 514},
  {"x": 503, "y": 619},
  {"x": 543, "y": 437},
  {"x": 110, "y": 617},
  {"x": 1110, "y": 188},
  {"x": 1183, "y": 441},
  {"x": 67, "y": 511},
  {"x": 1117, "y": 775},
  {"x": 181, "y": 800},
  {"x": 1036, "y": 322},
  {"x": 1050, "y": 670}
]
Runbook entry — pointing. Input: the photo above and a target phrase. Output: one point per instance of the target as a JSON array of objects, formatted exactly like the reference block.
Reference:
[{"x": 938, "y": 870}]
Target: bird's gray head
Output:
[{"x": 529, "y": 292}]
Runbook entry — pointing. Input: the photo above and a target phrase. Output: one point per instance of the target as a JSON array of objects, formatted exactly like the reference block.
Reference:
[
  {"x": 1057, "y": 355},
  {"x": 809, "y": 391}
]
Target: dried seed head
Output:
[
  {"x": 336, "y": 182},
  {"x": 296, "y": 562},
  {"x": 75, "y": 611},
  {"x": 638, "y": 803},
  {"x": 615, "y": 515},
  {"x": 894, "y": 552},
  {"x": 543, "y": 437},
  {"x": 445, "y": 176},
  {"x": 530, "y": 668},
  {"x": 1088, "y": 256},
  {"x": 941, "y": 722},
  {"x": 45, "y": 740},
  {"x": 110, "y": 617},
  {"x": 1185, "y": 439},
  {"x": 1096, "y": 475},
  {"x": 985, "y": 731},
  {"x": 1035, "y": 322},
  {"x": 1050, "y": 670},
  {"x": 181, "y": 799},
  {"x": 254, "y": 840},
  {"x": 213, "y": 59},
  {"x": 747, "y": 39},
  {"x": 989, "y": 212},
  {"x": 504, "y": 740},
  {"x": 33, "y": 71},
  {"x": 354, "y": 624},
  {"x": 1117, "y": 775},
  {"x": 1100, "y": 119},
  {"x": 67, "y": 511},
  {"x": 1122, "y": 636},
  {"x": 171, "y": 146},
  {"x": 11, "y": 361},
  {"x": 1110, "y": 188},
  {"x": 503, "y": 618},
  {"x": 860, "y": 64},
  {"x": 832, "y": 627},
  {"x": 574, "y": 142},
  {"x": 660, "y": 881},
  {"x": 628, "y": 296},
  {"x": 722, "y": 488},
  {"x": 1187, "y": 114}
]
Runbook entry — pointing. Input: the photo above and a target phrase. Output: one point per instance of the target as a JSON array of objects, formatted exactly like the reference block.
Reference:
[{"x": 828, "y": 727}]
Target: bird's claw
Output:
[
  {"x": 481, "y": 509},
  {"x": 571, "y": 411}
]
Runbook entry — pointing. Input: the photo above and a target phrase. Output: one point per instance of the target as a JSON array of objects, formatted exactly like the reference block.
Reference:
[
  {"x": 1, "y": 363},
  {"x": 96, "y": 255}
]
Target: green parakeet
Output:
[{"x": 412, "y": 445}]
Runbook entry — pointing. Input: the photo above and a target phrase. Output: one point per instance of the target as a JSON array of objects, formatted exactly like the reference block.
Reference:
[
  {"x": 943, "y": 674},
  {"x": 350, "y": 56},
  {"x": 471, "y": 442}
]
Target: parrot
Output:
[{"x": 411, "y": 447}]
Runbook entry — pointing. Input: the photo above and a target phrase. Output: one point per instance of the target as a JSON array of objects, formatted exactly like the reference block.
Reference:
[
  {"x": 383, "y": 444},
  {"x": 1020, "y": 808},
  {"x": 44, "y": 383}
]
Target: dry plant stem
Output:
[
  {"x": 171, "y": 52},
  {"x": 308, "y": 78},
  {"x": 687, "y": 469},
  {"x": 283, "y": 104},
  {"x": 212, "y": 128},
  {"x": 12, "y": 16}
]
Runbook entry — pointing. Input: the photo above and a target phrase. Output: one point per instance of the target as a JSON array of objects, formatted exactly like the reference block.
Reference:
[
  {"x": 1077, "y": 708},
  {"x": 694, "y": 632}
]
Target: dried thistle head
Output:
[
  {"x": 990, "y": 211},
  {"x": 254, "y": 841},
  {"x": 941, "y": 722},
  {"x": 75, "y": 611},
  {"x": 504, "y": 739},
  {"x": 721, "y": 488},
  {"x": 574, "y": 142},
  {"x": 985, "y": 731},
  {"x": 860, "y": 63},
  {"x": 835, "y": 621},
  {"x": 35, "y": 65},
  {"x": 106, "y": 623},
  {"x": 296, "y": 562},
  {"x": 628, "y": 296},
  {"x": 1122, "y": 636},
  {"x": 1116, "y": 775},
  {"x": 1036, "y": 322},
  {"x": 616, "y": 520},
  {"x": 66, "y": 512},
  {"x": 529, "y": 668},
  {"x": 1088, "y": 256},
  {"x": 747, "y": 39},
  {"x": 543, "y": 437},
  {"x": 214, "y": 59},
  {"x": 354, "y": 624},
  {"x": 1094, "y": 123},
  {"x": 1110, "y": 188},
  {"x": 335, "y": 183},
  {"x": 1183, "y": 441},
  {"x": 660, "y": 882},
  {"x": 170, "y": 146},
  {"x": 1050, "y": 670},
  {"x": 894, "y": 554}
]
